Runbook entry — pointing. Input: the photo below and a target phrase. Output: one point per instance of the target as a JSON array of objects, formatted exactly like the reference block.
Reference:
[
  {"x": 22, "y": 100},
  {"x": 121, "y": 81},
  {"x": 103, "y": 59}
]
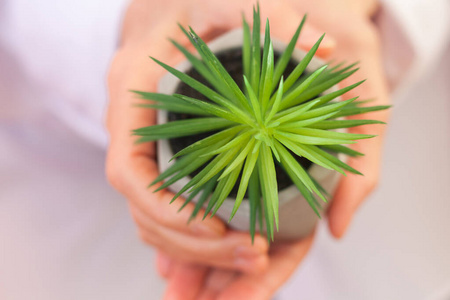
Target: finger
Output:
[
  {"x": 233, "y": 251},
  {"x": 216, "y": 281},
  {"x": 157, "y": 206},
  {"x": 131, "y": 167},
  {"x": 284, "y": 20},
  {"x": 353, "y": 189},
  {"x": 284, "y": 259},
  {"x": 186, "y": 282},
  {"x": 311, "y": 35}
]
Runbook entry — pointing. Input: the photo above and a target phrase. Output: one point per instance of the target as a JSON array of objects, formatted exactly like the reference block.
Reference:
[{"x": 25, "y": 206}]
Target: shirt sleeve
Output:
[
  {"x": 415, "y": 34},
  {"x": 60, "y": 51}
]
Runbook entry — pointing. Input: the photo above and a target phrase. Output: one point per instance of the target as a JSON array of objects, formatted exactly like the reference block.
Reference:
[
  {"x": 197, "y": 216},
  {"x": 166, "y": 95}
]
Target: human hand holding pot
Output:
[
  {"x": 130, "y": 167},
  {"x": 362, "y": 44},
  {"x": 350, "y": 24},
  {"x": 216, "y": 26}
]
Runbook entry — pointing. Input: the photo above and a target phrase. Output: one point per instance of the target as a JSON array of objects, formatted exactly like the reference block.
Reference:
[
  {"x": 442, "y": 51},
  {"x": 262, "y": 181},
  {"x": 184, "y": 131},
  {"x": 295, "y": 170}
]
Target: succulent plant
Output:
[{"x": 268, "y": 121}]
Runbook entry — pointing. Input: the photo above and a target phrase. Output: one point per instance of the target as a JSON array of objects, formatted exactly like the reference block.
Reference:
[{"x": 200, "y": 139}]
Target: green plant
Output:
[{"x": 257, "y": 126}]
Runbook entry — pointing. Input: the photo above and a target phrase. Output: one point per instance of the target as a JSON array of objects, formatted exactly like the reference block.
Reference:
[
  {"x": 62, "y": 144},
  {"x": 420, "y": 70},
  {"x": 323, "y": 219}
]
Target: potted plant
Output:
[{"x": 253, "y": 130}]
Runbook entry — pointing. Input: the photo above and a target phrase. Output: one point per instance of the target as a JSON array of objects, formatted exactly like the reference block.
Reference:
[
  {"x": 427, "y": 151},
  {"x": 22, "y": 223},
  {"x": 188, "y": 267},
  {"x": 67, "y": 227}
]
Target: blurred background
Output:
[{"x": 66, "y": 234}]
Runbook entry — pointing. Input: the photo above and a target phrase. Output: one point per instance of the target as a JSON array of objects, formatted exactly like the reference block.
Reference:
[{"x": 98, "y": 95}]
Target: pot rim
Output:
[{"x": 167, "y": 85}]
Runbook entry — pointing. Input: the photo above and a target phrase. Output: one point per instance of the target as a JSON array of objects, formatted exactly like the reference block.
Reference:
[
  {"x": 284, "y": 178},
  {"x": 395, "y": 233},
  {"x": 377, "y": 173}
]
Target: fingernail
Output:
[
  {"x": 246, "y": 252},
  {"x": 309, "y": 38}
]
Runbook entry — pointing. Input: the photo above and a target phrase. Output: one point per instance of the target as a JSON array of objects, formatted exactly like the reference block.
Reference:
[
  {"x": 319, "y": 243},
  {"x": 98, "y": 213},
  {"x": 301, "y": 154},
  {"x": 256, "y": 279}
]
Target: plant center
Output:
[{"x": 264, "y": 134}]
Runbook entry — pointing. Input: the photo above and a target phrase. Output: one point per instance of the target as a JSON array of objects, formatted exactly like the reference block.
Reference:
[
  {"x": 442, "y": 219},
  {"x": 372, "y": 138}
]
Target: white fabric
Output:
[
  {"x": 65, "y": 234},
  {"x": 414, "y": 35},
  {"x": 64, "y": 49},
  {"x": 398, "y": 246}
]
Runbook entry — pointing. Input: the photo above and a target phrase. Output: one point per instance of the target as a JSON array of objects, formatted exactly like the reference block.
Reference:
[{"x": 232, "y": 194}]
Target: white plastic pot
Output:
[{"x": 296, "y": 217}]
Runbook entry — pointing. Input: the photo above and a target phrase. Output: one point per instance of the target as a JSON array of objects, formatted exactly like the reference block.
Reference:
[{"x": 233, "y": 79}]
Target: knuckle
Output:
[
  {"x": 113, "y": 77},
  {"x": 261, "y": 265},
  {"x": 114, "y": 173},
  {"x": 149, "y": 237},
  {"x": 146, "y": 238},
  {"x": 168, "y": 214},
  {"x": 142, "y": 236},
  {"x": 116, "y": 70},
  {"x": 161, "y": 219}
]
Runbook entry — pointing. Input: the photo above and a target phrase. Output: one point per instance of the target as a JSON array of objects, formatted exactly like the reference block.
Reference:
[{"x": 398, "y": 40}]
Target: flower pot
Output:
[{"x": 296, "y": 217}]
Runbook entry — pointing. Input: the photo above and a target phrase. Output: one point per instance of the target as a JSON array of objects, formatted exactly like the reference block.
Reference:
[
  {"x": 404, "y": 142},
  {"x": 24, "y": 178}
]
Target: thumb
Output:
[
  {"x": 284, "y": 21},
  {"x": 164, "y": 265}
]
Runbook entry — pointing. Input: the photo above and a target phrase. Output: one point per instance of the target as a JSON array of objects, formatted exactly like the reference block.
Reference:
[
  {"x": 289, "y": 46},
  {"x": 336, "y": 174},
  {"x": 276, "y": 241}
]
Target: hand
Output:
[
  {"x": 193, "y": 282},
  {"x": 130, "y": 167},
  {"x": 356, "y": 41},
  {"x": 354, "y": 189},
  {"x": 349, "y": 23},
  {"x": 203, "y": 250}
]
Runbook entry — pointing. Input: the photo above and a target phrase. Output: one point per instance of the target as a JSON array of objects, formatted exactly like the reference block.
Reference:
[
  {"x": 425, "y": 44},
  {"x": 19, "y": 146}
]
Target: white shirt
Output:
[{"x": 65, "y": 234}]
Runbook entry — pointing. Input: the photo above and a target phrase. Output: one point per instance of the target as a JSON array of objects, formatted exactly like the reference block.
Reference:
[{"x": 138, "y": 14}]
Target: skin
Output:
[{"x": 205, "y": 259}]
